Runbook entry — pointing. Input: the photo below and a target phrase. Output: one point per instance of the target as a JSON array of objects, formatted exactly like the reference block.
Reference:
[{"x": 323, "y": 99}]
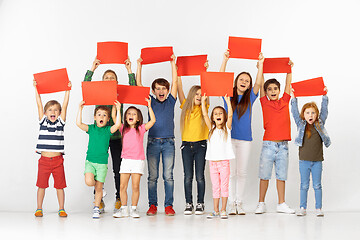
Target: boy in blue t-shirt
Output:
[{"x": 161, "y": 139}]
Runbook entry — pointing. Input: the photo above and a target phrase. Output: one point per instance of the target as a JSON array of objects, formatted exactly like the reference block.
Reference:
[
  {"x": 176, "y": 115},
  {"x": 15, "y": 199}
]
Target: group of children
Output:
[{"x": 223, "y": 139}]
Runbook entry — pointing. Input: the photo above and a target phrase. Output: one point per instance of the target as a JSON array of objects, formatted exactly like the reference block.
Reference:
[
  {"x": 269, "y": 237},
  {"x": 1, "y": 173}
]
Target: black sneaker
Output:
[
  {"x": 199, "y": 210},
  {"x": 189, "y": 209}
]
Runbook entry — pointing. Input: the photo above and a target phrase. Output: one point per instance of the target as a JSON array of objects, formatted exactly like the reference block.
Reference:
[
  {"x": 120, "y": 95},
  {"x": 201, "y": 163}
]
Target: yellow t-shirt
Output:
[{"x": 194, "y": 128}]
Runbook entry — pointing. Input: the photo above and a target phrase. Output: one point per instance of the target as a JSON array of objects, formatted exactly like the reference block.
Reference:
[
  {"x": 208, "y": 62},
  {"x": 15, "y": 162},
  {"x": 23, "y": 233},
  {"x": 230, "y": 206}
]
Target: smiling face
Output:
[
  {"x": 101, "y": 117},
  {"x": 310, "y": 115},
  {"x": 197, "y": 97},
  {"x": 218, "y": 116},
  {"x": 132, "y": 117},
  {"x": 273, "y": 92},
  {"x": 160, "y": 92},
  {"x": 243, "y": 83},
  {"x": 53, "y": 112}
]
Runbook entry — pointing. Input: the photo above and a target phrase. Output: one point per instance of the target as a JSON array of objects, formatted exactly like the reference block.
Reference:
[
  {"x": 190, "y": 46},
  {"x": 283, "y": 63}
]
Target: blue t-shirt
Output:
[
  {"x": 164, "y": 114},
  {"x": 241, "y": 128}
]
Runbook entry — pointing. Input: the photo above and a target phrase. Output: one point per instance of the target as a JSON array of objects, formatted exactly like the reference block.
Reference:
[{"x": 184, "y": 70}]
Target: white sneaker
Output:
[
  {"x": 117, "y": 214},
  {"x": 261, "y": 208},
  {"x": 96, "y": 213},
  {"x": 319, "y": 212},
  {"x": 123, "y": 212},
  {"x": 134, "y": 212},
  {"x": 284, "y": 208},
  {"x": 301, "y": 212},
  {"x": 223, "y": 215},
  {"x": 232, "y": 208},
  {"x": 239, "y": 209}
]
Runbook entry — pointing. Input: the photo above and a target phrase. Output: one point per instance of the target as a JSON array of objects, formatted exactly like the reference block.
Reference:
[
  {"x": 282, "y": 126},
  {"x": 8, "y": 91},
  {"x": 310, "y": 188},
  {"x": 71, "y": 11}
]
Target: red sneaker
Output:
[
  {"x": 152, "y": 210},
  {"x": 169, "y": 211}
]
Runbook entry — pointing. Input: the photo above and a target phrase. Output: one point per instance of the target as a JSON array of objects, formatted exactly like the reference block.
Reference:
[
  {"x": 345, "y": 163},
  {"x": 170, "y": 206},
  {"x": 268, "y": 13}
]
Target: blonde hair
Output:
[
  {"x": 316, "y": 122},
  {"x": 223, "y": 125},
  {"x": 52, "y": 103},
  {"x": 189, "y": 107}
]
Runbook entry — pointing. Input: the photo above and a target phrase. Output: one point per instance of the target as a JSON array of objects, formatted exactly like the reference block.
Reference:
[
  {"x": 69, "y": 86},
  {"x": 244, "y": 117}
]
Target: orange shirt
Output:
[{"x": 276, "y": 118}]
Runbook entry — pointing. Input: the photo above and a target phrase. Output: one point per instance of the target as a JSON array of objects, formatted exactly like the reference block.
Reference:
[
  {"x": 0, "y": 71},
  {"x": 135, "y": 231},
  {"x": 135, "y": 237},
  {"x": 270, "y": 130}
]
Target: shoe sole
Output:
[
  {"x": 242, "y": 213},
  {"x": 188, "y": 213},
  {"x": 285, "y": 212},
  {"x": 170, "y": 214},
  {"x": 150, "y": 214},
  {"x": 199, "y": 213}
]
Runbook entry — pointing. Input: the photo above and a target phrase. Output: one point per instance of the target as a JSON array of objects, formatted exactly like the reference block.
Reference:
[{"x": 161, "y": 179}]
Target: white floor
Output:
[{"x": 333, "y": 225}]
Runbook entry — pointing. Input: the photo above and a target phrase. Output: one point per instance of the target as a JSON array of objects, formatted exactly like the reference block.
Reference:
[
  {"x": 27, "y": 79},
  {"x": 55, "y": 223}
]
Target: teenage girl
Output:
[
  {"x": 219, "y": 151},
  {"x": 244, "y": 96},
  {"x": 133, "y": 157},
  {"x": 311, "y": 136}
]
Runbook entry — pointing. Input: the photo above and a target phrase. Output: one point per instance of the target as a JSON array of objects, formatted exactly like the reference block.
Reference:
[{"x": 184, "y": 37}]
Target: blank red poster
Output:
[
  {"x": 112, "y": 52},
  {"x": 132, "y": 94},
  {"x": 156, "y": 54},
  {"x": 99, "y": 93},
  {"x": 217, "y": 83},
  {"x": 247, "y": 48},
  {"x": 277, "y": 65},
  {"x": 52, "y": 81},
  {"x": 311, "y": 87},
  {"x": 191, "y": 65}
]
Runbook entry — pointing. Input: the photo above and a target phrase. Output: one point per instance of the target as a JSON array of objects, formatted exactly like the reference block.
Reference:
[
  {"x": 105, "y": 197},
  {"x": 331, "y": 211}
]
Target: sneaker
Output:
[
  {"x": 62, "y": 213},
  {"x": 122, "y": 212},
  {"x": 134, "y": 213},
  {"x": 199, "y": 210},
  {"x": 261, "y": 208},
  {"x": 39, "y": 213},
  {"x": 102, "y": 206},
  {"x": 169, "y": 211},
  {"x": 239, "y": 209},
  {"x": 213, "y": 215},
  {"x": 117, "y": 205},
  {"x": 301, "y": 212},
  {"x": 223, "y": 215},
  {"x": 117, "y": 214},
  {"x": 284, "y": 208},
  {"x": 96, "y": 213},
  {"x": 232, "y": 209},
  {"x": 319, "y": 212},
  {"x": 189, "y": 209},
  {"x": 152, "y": 210}
]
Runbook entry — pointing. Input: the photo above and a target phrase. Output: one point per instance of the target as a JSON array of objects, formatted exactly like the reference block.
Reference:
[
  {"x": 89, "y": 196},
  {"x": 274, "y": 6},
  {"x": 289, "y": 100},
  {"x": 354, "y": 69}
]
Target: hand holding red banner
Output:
[
  {"x": 247, "y": 48},
  {"x": 277, "y": 65},
  {"x": 132, "y": 94},
  {"x": 191, "y": 65},
  {"x": 311, "y": 87},
  {"x": 52, "y": 81},
  {"x": 112, "y": 52},
  {"x": 156, "y": 54},
  {"x": 99, "y": 93},
  {"x": 217, "y": 83}
]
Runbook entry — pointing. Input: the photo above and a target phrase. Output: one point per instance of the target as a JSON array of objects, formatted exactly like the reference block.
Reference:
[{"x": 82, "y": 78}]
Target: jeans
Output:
[
  {"x": 115, "y": 150},
  {"x": 315, "y": 168},
  {"x": 194, "y": 153},
  {"x": 166, "y": 148}
]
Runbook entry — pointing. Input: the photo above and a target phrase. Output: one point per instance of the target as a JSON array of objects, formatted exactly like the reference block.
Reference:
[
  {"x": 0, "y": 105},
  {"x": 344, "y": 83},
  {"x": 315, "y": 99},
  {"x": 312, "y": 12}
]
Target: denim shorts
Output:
[{"x": 274, "y": 153}]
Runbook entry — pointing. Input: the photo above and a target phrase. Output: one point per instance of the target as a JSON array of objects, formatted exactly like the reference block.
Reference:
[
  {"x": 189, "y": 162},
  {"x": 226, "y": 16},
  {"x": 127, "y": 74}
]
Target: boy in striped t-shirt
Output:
[{"x": 51, "y": 147}]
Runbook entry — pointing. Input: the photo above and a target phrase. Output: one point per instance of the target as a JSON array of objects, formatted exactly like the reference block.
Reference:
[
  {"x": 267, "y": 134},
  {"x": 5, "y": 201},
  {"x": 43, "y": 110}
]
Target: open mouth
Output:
[
  {"x": 273, "y": 95},
  {"x": 218, "y": 119},
  {"x": 243, "y": 86},
  {"x": 131, "y": 119},
  {"x": 161, "y": 95},
  {"x": 52, "y": 116},
  {"x": 101, "y": 121}
]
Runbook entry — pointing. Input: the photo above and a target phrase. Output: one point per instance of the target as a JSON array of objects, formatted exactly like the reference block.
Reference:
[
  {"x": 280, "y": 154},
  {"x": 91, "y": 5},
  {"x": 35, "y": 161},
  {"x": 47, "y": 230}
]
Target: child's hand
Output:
[
  {"x": 292, "y": 93},
  {"x": 227, "y": 100},
  {"x": 206, "y": 64},
  {"x": 148, "y": 100},
  {"x": 34, "y": 83},
  {"x": 261, "y": 60},
  {"x": 69, "y": 84},
  {"x": 291, "y": 63},
  {"x": 139, "y": 61},
  {"x": 203, "y": 99},
  {"x": 326, "y": 90},
  {"x": 173, "y": 58},
  {"x": 128, "y": 64},
  {"x": 95, "y": 64},
  {"x": 226, "y": 55},
  {"x": 117, "y": 105}
]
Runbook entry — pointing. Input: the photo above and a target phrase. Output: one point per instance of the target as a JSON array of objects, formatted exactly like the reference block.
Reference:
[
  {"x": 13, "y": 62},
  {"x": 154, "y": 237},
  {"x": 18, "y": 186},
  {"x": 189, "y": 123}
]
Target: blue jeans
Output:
[
  {"x": 166, "y": 148},
  {"x": 315, "y": 168},
  {"x": 194, "y": 153}
]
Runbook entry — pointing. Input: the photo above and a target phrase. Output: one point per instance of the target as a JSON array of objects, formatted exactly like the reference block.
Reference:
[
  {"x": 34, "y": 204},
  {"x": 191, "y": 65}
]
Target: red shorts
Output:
[{"x": 52, "y": 165}]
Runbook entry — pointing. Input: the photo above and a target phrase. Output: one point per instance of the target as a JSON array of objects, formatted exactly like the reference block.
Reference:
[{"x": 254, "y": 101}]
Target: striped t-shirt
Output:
[{"x": 51, "y": 136}]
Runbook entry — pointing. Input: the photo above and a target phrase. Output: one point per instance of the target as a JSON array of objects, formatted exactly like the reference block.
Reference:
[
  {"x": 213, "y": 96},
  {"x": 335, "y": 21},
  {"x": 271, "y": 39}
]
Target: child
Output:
[
  {"x": 51, "y": 147},
  {"x": 277, "y": 134},
  {"x": 219, "y": 151},
  {"x": 311, "y": 135},
  {"x": 161, "y": 139},
  {"x": 133, "y": 156},
  {"x": 193, "y": 148},
  {"x": 244, "y": 96},
  {"x": 97, "y": 153},
  {"x": 115, "y": 140}
]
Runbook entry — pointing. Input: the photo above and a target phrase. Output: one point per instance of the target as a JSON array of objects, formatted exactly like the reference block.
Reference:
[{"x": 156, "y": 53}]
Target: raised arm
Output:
[
  {"x": 38, "y": 102},
  {"x": 230, "y": 111},
  {"x": 174, "y": 84},
  {"x": 138, "y": 72},
  {"x": 205, "y": 111},
  {"x": 259, "y": 75},
  {"x": 90, "y": 73},
  {"x": 128, "y": 65},
  {"x": 117, "y": 120},
  {"x": 225, "y": 60},
  {"x": 132, "y": 79},
  {"x": 324, "y": 106},
  {"x": 65, "y": 103},
  {"x": 180, "y": 90},
  {"x": 295, "y": 108},
  {"x": 95, "y": 64},
  {"x": 152, "y": 121},
  {"x": 288, "y": 80},
  {"x": 79, "y": 122}
]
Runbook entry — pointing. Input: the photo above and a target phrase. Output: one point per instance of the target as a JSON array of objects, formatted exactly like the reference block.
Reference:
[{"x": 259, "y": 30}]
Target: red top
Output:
[{"x": 276, "y": 117}]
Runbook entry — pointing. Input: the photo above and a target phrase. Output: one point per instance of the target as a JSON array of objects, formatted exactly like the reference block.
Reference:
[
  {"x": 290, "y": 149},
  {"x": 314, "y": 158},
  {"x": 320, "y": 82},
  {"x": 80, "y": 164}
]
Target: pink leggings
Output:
[{"x": 219, "y": 174}]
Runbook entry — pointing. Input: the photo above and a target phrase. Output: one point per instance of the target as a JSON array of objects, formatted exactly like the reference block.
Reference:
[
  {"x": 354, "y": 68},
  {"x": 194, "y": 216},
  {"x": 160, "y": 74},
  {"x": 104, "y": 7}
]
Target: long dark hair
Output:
[
  {"x": 138, "y": 123},
  {"x": 245, "y": 102}
]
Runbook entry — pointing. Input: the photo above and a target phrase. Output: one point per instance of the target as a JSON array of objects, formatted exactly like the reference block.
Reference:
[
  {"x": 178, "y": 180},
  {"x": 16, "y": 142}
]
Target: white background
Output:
[{"x": 321, "y": 37}]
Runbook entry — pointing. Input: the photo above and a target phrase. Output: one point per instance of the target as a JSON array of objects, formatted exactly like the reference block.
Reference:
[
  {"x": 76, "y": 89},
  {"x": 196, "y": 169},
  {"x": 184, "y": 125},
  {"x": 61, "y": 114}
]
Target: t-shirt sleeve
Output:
[
  {"x": 109, "y": 130},
  {"x": 253, "y": 96},
  {"x": 263, "y": 100},
  {"x": 171, "y": 99},
  {"x": 42, "y": 119},
  {"x": 90, "y": 128},
  {"x": 142, "y": 128},
  {"x": 286, "y": 97},
  {"x": 182, "y": 104},
  {"x": 225, "y": 104}
]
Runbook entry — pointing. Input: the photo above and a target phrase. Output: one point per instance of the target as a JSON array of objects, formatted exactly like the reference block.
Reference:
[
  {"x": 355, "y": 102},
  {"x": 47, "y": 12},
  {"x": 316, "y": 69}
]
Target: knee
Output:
[
  {"x": 123, "y": 187},
  {"x": 317, "y": 186},
  {"x": 135, "y": 188},
  {"x": 304, "y": 186},
  {"x": 89, "y": 182}
]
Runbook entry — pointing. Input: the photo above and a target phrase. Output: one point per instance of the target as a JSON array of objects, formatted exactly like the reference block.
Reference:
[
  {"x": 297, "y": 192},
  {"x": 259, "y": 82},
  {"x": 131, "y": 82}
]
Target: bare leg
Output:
[
  {"x": 40, "y": 197},
  {"x": 263, "y": 189},
  {"x": 280, "y": 185},
  {"x": 89, "y": 179},
  {"x": 216, "y": 204},
  {"x": 223, "y": 203},
  {"x": 61, "y": 197},
  {"x": 98, "y": 193},
  {"x": 124, "y": 180},
  {"x": 135, "y": 184}
]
